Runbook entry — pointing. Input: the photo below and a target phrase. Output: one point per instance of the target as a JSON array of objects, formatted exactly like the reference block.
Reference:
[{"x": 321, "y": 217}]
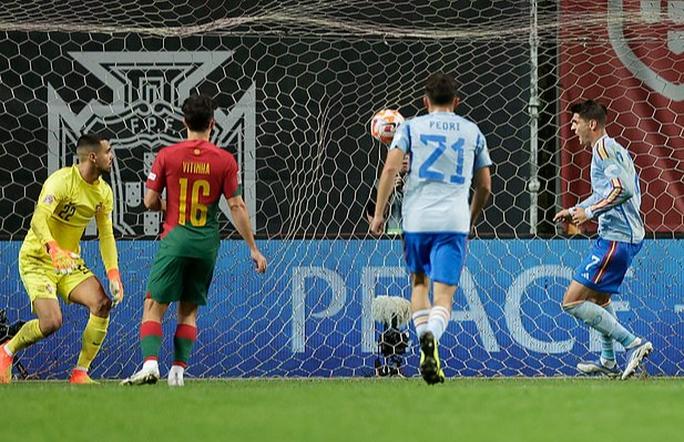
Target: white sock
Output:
[
  {"x": 439, "y": 319},
  {"x": 177, "y": 369},
  {"x": 601, "y": 320},
  {"x": 634, "y": 343},
  {"x": 608, "y": 363},
  {"x": 151, "y": 365},
  {"x": 420, "y": 321}
]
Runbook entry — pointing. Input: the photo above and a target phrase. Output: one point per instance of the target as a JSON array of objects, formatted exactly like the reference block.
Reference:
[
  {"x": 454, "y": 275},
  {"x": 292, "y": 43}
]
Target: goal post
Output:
[{"x": 296, "y": 83}]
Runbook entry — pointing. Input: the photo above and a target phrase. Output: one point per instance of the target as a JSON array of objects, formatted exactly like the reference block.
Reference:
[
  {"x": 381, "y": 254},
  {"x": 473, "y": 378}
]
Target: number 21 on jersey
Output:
[
  {"x": 440, "y": 141},
  {"x": 198, "y": 212}
]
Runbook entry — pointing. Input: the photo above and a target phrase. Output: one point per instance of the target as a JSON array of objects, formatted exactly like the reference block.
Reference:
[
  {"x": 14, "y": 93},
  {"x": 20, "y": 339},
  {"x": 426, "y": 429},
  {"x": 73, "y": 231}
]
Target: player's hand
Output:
[
  {"x": 62, "y": 260},
  {"x": 260, "y": 263},
  {"x": 564, "y": 215},
  {"x": 579, "y": 216},
  {"x": 377, "y": 226},
  {"x": 115, "y": 286}
]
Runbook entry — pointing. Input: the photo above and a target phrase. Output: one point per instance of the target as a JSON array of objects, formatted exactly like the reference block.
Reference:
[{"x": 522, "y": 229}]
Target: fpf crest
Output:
[{"x": 147, "y": 90}]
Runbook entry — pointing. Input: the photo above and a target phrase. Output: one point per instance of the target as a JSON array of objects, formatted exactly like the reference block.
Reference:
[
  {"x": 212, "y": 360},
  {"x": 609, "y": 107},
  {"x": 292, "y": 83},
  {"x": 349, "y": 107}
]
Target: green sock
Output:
[
  {"x": 150, "y": 339},
  {"x": 182, "y": 343}
]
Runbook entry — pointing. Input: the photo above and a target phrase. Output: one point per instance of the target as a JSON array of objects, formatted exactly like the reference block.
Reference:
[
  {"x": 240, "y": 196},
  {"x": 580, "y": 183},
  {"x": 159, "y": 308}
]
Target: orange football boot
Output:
[
  {"x": 80, "y": 377},
  {"x": 5, "y": 366}
]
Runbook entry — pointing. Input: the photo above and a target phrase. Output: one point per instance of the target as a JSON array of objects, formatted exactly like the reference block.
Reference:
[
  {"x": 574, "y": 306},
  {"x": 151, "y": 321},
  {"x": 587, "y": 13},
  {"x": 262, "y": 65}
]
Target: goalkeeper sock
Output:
[
  {"x": 439, "y": 319},
  {"x": 599, "y": 319},
  {"x": 28, "y": 334},
  {"x": 93, "y": 336},
  {"x": 607, "y": 349},
  {"x": 420, "y": 321},
  {"x": 150, "y": 339},
  {"x": 182, "y": 344}
]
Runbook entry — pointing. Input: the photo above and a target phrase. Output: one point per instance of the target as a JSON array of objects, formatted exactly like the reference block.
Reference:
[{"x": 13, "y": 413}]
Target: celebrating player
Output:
[
  {"x": 447, "y": 152},
  {"x": 615, "y": 202},
  {"x": 194, "y": 173},
  {"x": 49, "y": 261}
]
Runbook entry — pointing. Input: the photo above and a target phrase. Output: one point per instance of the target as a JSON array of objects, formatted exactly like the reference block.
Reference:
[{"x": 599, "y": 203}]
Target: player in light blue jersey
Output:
[
  {"x": 447, "y": 153},
  {"x": 615, "y": 202}
]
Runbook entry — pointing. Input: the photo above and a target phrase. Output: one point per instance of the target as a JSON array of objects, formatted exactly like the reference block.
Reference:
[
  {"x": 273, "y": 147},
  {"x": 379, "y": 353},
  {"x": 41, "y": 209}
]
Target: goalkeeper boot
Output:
[
  {"x": 635, "y": 356},
  {"x": 597, "y": 368},
  {"x": 430, "y": 367},
  {"x": 175, "y": 378},
  {"x": 5, "y": 366},
  {"x": 149, "y": 374},
  {"x": 440, "y": 376},
  {"x": 80, "y": 377}
]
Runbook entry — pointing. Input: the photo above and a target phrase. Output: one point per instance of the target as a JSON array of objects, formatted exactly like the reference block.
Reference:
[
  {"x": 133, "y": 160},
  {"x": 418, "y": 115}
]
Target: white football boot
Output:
[
  {"x": 148, "y": 374},
  {"x": 176, "y": 376}
]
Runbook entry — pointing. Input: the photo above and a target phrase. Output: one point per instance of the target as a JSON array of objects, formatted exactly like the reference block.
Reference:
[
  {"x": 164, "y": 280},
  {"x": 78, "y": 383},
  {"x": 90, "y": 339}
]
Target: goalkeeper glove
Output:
[
  {"x": 115, "y": 286},
  {"x": 62, "y": 260}
]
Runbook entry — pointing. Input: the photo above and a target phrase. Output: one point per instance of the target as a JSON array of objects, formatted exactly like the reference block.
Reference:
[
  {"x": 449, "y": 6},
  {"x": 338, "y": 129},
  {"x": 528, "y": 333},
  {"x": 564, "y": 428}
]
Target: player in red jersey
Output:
[{"x": 195, "y": 173}]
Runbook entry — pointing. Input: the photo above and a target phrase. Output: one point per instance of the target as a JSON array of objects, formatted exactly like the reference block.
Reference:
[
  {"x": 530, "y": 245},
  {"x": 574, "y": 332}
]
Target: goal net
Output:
[{"x": 296, "y": 83}]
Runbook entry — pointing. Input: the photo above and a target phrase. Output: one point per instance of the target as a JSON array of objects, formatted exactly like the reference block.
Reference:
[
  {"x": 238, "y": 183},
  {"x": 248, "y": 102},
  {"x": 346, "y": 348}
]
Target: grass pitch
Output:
[{"x": 350, "y": 410}]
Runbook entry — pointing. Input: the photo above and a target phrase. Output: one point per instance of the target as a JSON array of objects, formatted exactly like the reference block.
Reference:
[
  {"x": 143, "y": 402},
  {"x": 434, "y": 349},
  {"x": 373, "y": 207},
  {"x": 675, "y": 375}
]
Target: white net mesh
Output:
[{"x": 296, "y": 83}]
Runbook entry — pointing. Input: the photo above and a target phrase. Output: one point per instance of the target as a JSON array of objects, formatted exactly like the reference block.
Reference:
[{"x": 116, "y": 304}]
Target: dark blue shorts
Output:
[
  {"x": 604, "y": 268},
  {"x": 440, "y": 256}
]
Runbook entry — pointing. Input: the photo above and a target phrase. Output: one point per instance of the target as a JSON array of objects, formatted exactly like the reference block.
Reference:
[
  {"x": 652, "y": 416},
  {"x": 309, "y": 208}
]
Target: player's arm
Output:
[
  {"x": 393, "y": 166},
  {"x": 153, "y": 201},
  {"x": 390, "y": 171},
  {"x": 39, "y": 224},
  {"x": 240, "y": 215},
  {"x": 616, "y": 176},
  {"x": 566, "y": 214},
  {"x": 482, "y": 179},
  {"x": 52, "y": 194},
  {"x": 105, "y": 232},
  {"x": 589, "y": 201},
  {"x": 156, "y": 181}
]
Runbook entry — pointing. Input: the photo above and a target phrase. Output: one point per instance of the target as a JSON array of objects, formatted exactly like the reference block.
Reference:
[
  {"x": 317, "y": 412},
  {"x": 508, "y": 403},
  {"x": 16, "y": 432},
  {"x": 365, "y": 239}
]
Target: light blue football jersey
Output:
[
  {"x": 445, "y": 150},
  {"x": 615, "y": 193}
]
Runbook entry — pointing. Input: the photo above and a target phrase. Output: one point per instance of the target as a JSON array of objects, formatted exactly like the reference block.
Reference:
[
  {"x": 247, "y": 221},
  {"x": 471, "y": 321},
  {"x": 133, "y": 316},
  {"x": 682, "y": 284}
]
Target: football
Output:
[{"x": 384, "y": 124}]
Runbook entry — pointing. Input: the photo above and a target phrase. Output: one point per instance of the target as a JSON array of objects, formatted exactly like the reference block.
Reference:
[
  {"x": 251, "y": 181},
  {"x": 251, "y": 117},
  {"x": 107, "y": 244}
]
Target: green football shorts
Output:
[{"x": 177, "y": 278}]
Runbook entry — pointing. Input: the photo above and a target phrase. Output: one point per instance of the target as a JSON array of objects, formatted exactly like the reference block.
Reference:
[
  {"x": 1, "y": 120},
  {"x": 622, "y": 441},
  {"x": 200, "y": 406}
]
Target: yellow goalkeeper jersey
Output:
[{"x": 65, "y": 206}]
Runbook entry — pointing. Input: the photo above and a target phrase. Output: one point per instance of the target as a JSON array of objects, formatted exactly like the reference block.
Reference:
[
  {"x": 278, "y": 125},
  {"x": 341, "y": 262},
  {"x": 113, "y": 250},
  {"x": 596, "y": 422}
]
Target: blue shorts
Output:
[
  {"x": 604, "y": 268},
  {"x": 440, "y": 256}
]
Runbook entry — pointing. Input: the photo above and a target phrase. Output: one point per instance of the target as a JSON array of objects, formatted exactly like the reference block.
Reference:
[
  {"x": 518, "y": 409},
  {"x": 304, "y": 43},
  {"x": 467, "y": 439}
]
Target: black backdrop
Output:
[{"x": 315, "y": 161}]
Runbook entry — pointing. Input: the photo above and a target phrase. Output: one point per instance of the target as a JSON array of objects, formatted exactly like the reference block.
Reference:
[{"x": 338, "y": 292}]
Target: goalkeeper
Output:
[{"x": 49, "y": 261}]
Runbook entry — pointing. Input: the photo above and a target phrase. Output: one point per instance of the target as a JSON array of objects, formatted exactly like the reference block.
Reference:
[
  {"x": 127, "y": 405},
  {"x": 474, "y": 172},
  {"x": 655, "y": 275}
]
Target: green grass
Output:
[{"x": 352, "y": 410}]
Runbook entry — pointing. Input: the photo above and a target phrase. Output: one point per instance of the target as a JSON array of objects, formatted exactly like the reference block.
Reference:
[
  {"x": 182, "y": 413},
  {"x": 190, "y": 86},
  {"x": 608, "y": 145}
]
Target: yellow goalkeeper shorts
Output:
[{"x": 42, "y": 281}]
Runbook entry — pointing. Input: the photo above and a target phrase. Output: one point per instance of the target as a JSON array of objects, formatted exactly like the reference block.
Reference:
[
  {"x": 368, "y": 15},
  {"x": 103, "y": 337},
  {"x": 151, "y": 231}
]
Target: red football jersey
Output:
[{"x": 194, "y": 173}]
